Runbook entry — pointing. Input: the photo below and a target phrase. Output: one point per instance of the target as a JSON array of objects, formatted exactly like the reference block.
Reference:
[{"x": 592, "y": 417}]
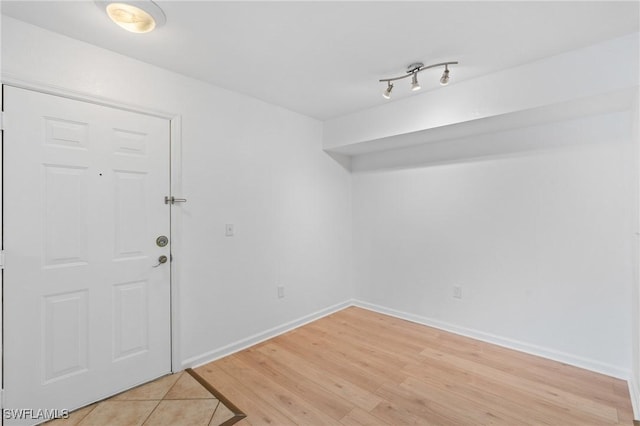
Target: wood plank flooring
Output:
[{"x": 358, "y": 367}]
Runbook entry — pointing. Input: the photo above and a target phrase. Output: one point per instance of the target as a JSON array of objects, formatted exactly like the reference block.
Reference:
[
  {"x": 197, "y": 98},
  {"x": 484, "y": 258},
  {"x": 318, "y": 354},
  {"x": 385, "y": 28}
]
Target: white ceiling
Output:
[{"x": 324, "y": 59}]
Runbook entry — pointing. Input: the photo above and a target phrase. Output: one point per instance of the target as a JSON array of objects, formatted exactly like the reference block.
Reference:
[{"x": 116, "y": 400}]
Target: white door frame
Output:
[{"x": 175, "y": 120}]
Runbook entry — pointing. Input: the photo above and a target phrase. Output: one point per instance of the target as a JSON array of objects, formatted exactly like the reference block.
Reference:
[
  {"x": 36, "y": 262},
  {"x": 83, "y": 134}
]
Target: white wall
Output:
[
  {"x": 634, "y": 387},
  {"x": 245, "y": 162},
  {"x": 539, "y": 238}
]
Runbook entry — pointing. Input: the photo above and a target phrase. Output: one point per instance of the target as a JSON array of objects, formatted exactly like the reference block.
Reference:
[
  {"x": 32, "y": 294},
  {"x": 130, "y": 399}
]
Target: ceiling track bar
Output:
[{"x": 411, "y": 72}]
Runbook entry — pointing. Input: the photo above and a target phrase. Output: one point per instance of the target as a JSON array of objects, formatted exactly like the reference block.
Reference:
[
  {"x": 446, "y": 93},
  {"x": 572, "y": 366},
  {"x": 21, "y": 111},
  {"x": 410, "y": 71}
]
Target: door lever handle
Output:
[
  {"x": 162, "y": 259},
  {"x": 173, "y": 200}
]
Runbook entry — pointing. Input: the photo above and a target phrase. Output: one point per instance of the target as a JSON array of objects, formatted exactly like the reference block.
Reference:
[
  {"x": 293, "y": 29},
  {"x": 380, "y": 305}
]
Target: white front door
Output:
[{"x": 86, "y": 310}]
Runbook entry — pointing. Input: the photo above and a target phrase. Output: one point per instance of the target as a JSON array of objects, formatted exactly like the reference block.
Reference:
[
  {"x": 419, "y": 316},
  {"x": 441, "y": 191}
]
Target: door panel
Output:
[
  {"x": 65, "y": 215},
  {"x": 86, "y": 313},
  {"x": 130, "y": 328},
  {"x": 65, "y": 335},
  {"x": 130, "y": 225}
]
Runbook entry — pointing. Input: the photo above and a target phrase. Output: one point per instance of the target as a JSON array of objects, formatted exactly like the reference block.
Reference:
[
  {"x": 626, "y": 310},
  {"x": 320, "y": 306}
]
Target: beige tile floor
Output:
[{"x": 176, "y": 400}]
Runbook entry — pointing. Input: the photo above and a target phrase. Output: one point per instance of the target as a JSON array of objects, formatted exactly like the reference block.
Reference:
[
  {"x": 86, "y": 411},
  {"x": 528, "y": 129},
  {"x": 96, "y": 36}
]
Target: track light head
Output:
[
  {"x": 387, "y": 92},
  {"x": 444, "y": 80},
  {"x": 414, "y": 82}
]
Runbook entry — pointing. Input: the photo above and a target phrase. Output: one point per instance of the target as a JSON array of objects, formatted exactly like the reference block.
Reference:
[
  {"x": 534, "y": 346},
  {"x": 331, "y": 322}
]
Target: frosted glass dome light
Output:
[{"x": 141, "y": 16}]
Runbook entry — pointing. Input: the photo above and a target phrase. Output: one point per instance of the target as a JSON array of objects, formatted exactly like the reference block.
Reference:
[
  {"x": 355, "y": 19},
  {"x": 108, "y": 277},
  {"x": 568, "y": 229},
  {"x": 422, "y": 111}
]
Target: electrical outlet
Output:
[
  {"x": 457, "y": 291},
  {"x": 280, "y": 292}
]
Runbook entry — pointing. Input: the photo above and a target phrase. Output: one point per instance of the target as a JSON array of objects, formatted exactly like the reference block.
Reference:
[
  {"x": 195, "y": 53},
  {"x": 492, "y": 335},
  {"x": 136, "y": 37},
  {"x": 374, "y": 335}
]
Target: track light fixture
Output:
[{"x": 412, "y": 71}]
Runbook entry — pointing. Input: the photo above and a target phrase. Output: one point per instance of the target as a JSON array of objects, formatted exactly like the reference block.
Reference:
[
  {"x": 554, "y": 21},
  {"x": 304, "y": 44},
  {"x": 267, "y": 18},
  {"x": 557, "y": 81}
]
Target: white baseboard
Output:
[
  {"x": 577, "y": 361},
  {"x": 261, "y": 337},
  {"x": 634, "y": 393},
  {"x": 588, "y": 364}
]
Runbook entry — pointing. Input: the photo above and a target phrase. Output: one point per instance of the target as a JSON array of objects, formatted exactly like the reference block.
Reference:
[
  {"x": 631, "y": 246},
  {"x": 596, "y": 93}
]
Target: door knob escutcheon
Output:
[{"x": 162, "y": 259}]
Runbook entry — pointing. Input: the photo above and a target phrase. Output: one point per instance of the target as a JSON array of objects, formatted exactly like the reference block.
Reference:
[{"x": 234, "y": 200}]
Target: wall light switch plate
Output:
[
  {"x": 457, "y": 291},
  {"x": 229, "y": 230}
]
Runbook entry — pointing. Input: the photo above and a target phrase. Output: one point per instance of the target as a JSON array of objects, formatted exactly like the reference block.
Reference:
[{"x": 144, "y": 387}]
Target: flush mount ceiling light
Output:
[
  {"x": 412, "y": 71},
  {"x": 139, "y": 16}
]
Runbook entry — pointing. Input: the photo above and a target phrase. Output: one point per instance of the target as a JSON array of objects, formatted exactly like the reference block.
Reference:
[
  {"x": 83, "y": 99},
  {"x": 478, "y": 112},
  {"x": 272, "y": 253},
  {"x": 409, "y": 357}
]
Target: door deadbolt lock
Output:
[
  {"x": 162, "y": 259},
  {"x": 162, "y": 241}
]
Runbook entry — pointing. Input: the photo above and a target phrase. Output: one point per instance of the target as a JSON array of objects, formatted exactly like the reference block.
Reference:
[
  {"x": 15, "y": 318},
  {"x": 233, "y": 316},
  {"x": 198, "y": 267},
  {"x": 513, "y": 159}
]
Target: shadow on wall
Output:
[{"x": 342, "y": 159}]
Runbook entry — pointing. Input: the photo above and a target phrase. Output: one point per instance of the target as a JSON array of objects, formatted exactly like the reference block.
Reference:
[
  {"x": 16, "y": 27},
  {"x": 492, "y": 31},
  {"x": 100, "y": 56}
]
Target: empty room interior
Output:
[{"x": 320, "y": 212}]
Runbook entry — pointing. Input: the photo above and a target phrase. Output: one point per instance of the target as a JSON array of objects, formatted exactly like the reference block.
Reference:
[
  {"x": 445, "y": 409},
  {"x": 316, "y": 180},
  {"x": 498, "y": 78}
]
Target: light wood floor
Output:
[{"x": 357, "y": 367}]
